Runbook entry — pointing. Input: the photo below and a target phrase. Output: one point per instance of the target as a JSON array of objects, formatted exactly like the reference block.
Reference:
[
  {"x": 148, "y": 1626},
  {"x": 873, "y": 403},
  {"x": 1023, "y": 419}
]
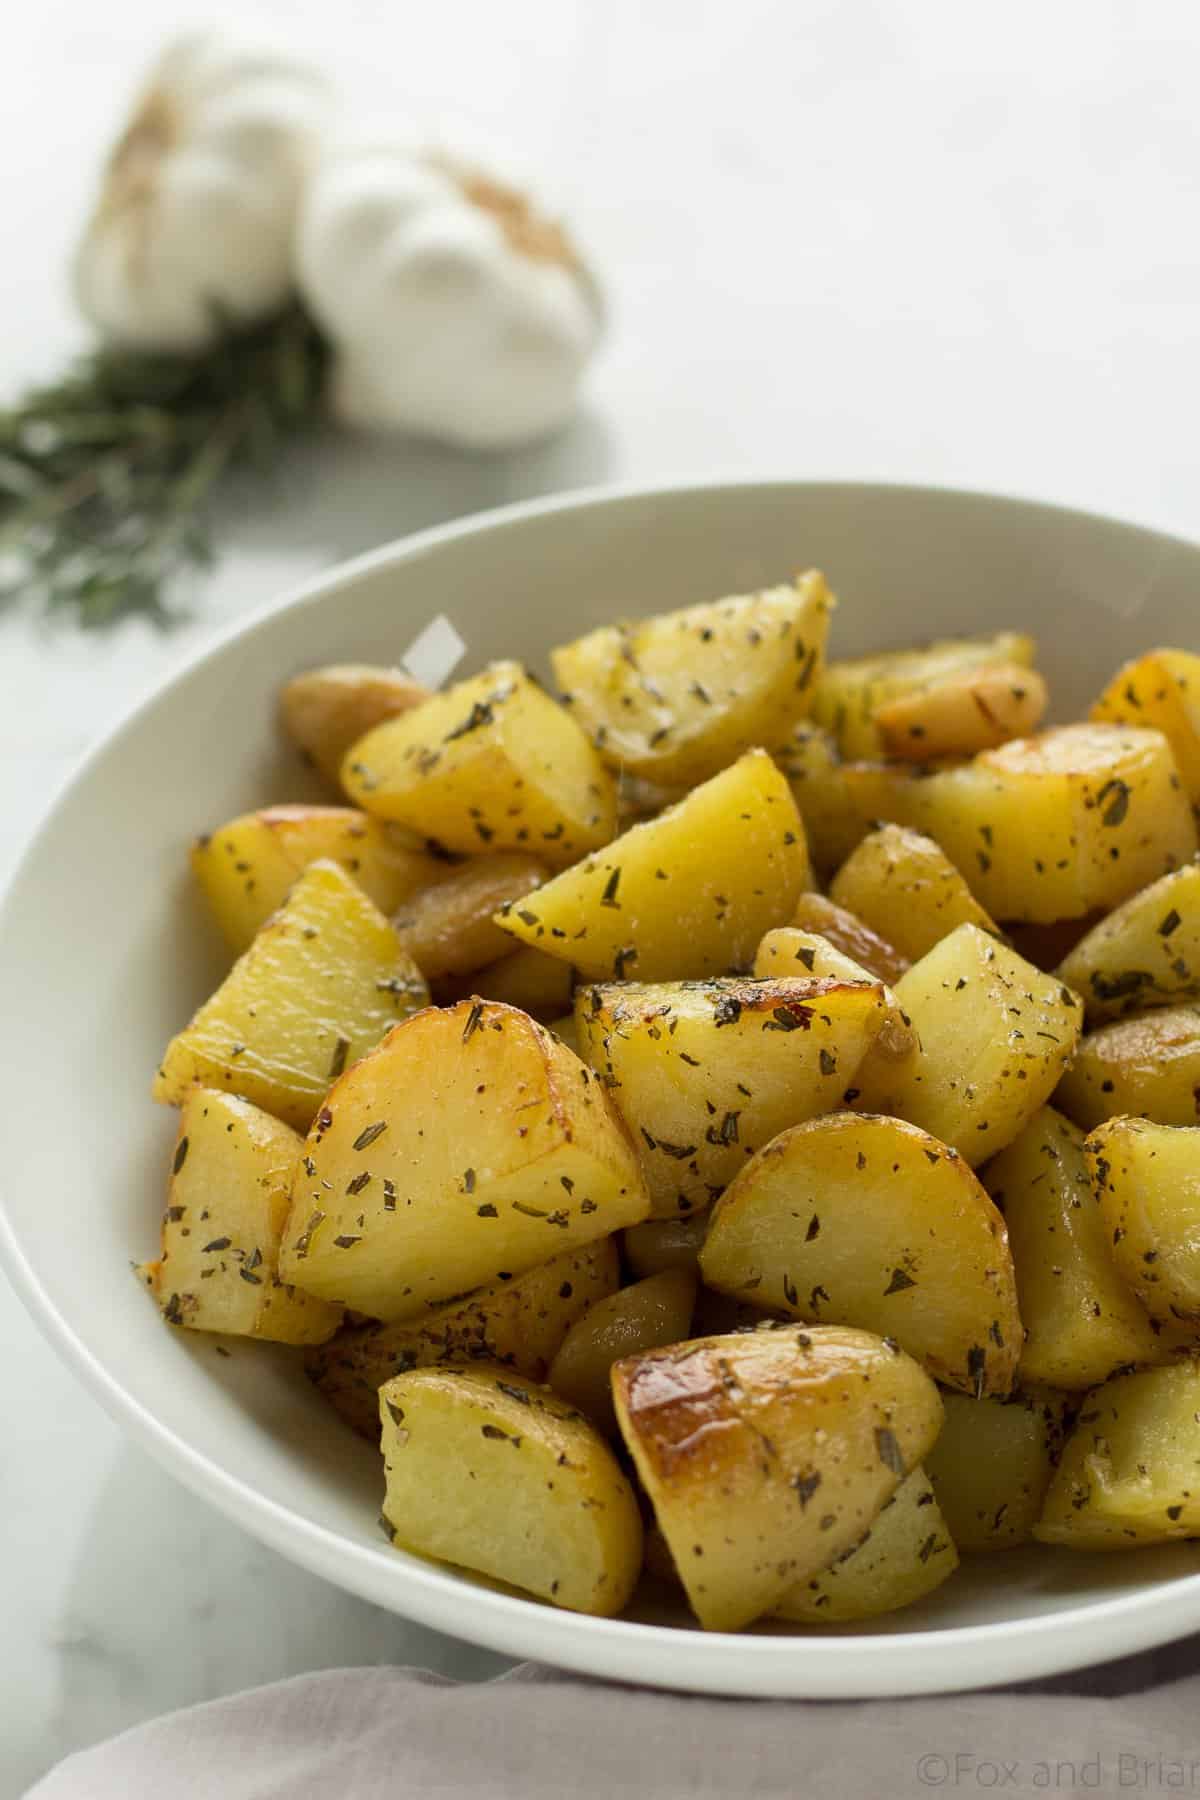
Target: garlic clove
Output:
[
  {"x": 196, "y": 214},
  {"x": 458, "y": 307}
]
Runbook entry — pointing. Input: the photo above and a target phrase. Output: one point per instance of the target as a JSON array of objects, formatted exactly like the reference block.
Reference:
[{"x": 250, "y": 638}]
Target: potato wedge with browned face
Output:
[
  {"x": 790, "y": 951},
  {"x": 678, "y": 697},
  {"x": 992, "y": 1464},
  {"x": 904, "y": 886},
  {"x": 1130, "y": 1472},
  {"x": 1145, "y": 954},
  {"x": 768, "y": 1453},
  {"x": 1144, "y": 1067},
  {"x": 1146, "y": 1180},
  {"x": 471, "y": 1146},
  {"x": 906, "y": 1554},
  {"x": 704, "y": 1073},
  {"x": 870, "y": 1221},
  {"x": 518, "y": 1323},
  {"x": 640, "y": 1317},
  {"x": 495, "y": 1474},
  {"x": 686, "y": 895},
  {"x": 446, "y": 926},
  {"x": 324, "y": 711}
]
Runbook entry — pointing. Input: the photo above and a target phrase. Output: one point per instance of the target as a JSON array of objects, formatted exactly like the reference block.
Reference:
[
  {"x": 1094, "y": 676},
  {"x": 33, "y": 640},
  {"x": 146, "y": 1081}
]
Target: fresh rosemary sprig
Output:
[{"x": 105, "y": 475}]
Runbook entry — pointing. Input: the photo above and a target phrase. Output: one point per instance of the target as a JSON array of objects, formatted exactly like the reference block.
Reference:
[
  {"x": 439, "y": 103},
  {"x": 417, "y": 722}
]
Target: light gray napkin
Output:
[{"x": 386, "y": 1734}]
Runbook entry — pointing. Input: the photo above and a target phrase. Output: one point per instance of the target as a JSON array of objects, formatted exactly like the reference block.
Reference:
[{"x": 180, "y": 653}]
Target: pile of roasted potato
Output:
[{"x": 736, "y": 1124}]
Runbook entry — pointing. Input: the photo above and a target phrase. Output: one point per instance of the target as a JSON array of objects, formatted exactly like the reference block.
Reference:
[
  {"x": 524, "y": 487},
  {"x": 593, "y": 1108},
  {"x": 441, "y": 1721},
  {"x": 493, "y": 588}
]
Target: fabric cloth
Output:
[{"x": 386, "y": 1734}]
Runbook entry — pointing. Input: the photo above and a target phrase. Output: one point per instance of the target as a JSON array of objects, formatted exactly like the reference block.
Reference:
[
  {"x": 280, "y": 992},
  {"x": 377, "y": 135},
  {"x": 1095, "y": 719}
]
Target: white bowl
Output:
[{"x": 104, "y": 952}]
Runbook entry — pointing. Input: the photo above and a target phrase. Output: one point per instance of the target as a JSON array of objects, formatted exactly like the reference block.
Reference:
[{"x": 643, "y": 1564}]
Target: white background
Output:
[{"x": 914, "y": 239}]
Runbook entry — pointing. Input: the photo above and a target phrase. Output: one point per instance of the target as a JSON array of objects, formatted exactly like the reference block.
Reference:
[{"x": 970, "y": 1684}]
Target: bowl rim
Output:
[{"x": 858, "y": 1666}]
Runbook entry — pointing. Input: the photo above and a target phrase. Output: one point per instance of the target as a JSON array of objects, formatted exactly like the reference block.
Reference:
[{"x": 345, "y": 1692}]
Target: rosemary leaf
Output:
[{"x": 106, "y": 474}]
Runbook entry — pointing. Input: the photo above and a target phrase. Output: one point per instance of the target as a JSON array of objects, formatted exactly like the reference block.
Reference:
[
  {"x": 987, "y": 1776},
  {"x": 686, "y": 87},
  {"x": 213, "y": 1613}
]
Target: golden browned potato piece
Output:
[
  {"x": 851, "y": 693},
  {"x": 1081, "y": 1320},
  {"x": 686, "y": 895},
  {"x": 446, "y": 926},
  {"x": 975, "y": 709},
  {"x": 906, "y": 1554},
  {"x": 1054, "y": 826},
  {"x": 871, "y": 1221},
  {"x": 790, "y": 951},
  {"x": 1144, "y": 1067},
  {"x": 665, "y": 1244},
  {"x": 495, "y": 1474},
  {"x": 992, "y": 1464},
  {"x": 518, "y": 1323},
  {"x": 851, "y": 935},
  {"x": 492, "y": 764},
  {"x": 320, "y": 985},
  {"x": 1129, "y": 1472},
  {"x": 901, "y": 883},
  {"x": 995, "y": 1035},
  {"x": 1146, "y": 1180},
  {"x": 768, "y": 1453},
  {"x": 227, "y": 1205},
  {"x": 471, "y": 1146},
  {"x": 644, "y": 1316},
  {"x": 677, "y": 698},
  {"x": 1161, "y": 688},
  {"x": 706, "y": 1073},
  {"x": 248, "y": 867},
  {"x": 324, "y": 711},
  {"x": 1146, "y": 953}
]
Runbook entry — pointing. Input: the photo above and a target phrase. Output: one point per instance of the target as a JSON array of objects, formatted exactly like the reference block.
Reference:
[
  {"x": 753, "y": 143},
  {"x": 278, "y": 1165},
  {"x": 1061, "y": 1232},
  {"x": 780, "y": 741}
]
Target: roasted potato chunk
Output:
[
  {"x": 529, "y": 980},
  {"x": 472, "y": 1145},
  {"x": 247, "y": 868},
  {"x": 320, "y": 985},
  {"x": 992, "y": 1464},
  {"x": 227, "y": 1205},
  {"x": 905, "y": 888},
  {"x": 706, "y": 1073},
  {"x": 498, "y": 1475},
  {"x": 446, "y": 926},
  {"x": 1130, "y": 1472},
  {"x": 1161, "y": 689},
  {"x": 324, "y": 711},
  {"x": 873, "y": 1221},
  {"x": 906, "y": 1554},
  {"x": 687, "y": 895},
  {"x": 960, "y": 714},
  {"x": 995, "y": 1035},
  {"x": 767, "y": 1453},
  {"x": 1146, "y": 1180},
  {"x": 491, "y": 764},
  {"x": 640, "y": 1317},
  {"x": 1052, "y": 827},
  {"x": 851, "y": 693},
  {"x": 851, "y": 935},
  {"x": 665, "y": 1244},
  {"x": 677, "y": 698},
  {"x": 1146, "y": 953},
  {"x": 1144, "y": 1067},
  {"x": 519, "y": 1324},
  {"x": 790, "y": 951},
  {"x": 1081, "y": 1321}
]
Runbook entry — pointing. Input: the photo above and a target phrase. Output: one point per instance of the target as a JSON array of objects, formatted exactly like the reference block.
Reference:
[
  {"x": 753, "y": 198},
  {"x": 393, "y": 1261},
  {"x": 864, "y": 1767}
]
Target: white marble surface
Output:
[{"x": 906, "y": 239}]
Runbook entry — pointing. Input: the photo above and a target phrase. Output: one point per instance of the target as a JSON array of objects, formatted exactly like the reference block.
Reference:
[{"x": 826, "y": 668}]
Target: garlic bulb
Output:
[
  {"x": 458, "y": 309},
  {"x": 196, "y": 216}
]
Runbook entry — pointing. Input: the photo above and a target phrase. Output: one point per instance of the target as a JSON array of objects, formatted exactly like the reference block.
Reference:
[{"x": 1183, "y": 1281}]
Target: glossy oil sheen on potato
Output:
[
  {"x": 686, "y": 895},
  {"x": 870, "y": 1221},
  {"x": 767, "y": 1453},
  {"x": 642, "y": 1316},
  {"x": 471, "y": 1146},
  {"x": 1146, "y": 1066}
]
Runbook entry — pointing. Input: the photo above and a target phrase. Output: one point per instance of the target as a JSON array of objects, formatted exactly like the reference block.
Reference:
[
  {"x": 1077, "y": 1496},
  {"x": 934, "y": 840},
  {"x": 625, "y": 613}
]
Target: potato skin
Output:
[
  {"x": 1146, "y": 1066},
  {"x": 960, "y": 714},
  {"x": 851, "y": 935},
  {"x": 326, "y": 710},
  {"x": 446, "y": 925},
  {"x": 852, "y": 691},
  {"x": 640, "y": 1317},
  {"x": 768, "y": 1453},
  {"x": 870, "y": 1220},
  {"x": 518, "y": 1323},
  {"x": 1144, "y": 954},
  {"x": 495, "y": 1474}
]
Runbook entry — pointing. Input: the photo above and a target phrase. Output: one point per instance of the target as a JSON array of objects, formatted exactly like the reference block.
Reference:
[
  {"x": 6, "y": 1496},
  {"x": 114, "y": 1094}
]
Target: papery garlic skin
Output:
[
  {"x": 195, "y": 220},
  {"x": 457, "y": 309}
]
